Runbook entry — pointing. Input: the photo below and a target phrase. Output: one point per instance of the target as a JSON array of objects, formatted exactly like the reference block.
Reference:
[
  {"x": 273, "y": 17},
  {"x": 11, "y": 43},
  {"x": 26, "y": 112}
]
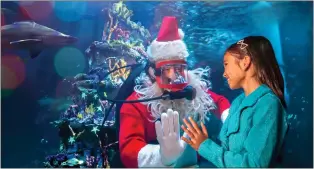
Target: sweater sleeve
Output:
[
  {"x": 258, "y": 146},
  {"x": 222, "y": 103},
  {"x": 134, "y": 150}
]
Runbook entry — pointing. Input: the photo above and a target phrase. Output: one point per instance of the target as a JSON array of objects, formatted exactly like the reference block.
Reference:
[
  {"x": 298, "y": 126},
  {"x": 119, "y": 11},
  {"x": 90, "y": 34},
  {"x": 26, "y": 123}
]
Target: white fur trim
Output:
[
  {"x": 171, "y": 50},
  {"x": 224, "y": 115},
  {"x": 149, "y": 156},
  {"x": 181, "y": 33}
]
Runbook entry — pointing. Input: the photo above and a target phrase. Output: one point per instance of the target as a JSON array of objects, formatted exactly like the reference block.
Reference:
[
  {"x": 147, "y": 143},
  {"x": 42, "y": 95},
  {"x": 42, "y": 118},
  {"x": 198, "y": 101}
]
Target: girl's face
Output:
[{"x": 233, "y": 72}]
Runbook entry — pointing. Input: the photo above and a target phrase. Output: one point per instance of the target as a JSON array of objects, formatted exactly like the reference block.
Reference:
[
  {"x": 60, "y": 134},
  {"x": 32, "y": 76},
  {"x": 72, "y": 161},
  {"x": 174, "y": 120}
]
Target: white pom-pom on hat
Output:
[{"x": 181, "y": 33}]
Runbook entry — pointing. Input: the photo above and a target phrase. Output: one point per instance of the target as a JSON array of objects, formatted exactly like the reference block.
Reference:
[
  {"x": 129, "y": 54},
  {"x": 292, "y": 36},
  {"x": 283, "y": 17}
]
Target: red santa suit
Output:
[{"x": 137, "y": 129}]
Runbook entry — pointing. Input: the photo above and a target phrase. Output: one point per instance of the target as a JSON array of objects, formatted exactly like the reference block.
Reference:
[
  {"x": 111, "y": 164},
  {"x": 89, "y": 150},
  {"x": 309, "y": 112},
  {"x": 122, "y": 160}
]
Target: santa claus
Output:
[{"x": 150, "y": 131}]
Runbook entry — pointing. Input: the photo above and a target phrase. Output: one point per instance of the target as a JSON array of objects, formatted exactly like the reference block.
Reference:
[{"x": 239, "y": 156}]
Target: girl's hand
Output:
[{"x": 195, "y": 133}]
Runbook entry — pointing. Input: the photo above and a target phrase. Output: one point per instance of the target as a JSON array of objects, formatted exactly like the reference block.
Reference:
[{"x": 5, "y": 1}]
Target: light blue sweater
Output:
[{"x": 252, "y": 132}]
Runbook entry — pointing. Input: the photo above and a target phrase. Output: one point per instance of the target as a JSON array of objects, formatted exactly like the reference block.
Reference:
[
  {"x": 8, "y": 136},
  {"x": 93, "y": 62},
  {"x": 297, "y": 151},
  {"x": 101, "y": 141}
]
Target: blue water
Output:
[{"x": 210, "y": 27}]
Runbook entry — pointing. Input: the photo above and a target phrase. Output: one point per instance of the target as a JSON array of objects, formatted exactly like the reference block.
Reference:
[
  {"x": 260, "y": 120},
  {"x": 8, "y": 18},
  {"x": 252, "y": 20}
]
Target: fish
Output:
[
  {"x": 31, "y": 36},
  {"x": 72, "y": 162}
]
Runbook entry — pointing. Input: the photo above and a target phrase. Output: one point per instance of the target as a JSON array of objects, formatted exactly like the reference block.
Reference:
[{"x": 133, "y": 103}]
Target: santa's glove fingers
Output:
[
  {"x": 172, "y": 146},
  {"x": 159, "y": 132}
]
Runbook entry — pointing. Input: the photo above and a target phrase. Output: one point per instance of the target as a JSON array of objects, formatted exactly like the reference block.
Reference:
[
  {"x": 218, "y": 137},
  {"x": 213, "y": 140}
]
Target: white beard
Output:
[{"x": 197, "y": 108}]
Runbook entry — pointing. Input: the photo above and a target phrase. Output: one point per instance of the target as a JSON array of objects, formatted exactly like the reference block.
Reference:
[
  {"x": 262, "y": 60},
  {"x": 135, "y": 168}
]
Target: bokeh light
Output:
[
  {"x": 70, "y": 11},
  {"x": 69, "y": 62},
  {"x": 2, "y": 19},
  {"x": 12, "y": 73},
  {"x": 6, "y": 92},
  {"x": 8, "y": 78},
  {"x": 38, "y": 10}
]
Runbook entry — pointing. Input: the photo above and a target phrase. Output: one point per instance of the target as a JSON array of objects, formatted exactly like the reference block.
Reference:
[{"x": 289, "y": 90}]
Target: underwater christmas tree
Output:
[{"x": 87, "y": 128}]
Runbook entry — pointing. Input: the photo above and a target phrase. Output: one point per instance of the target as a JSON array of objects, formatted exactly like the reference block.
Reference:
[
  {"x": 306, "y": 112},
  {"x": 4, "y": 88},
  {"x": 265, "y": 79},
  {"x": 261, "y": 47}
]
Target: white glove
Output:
[{"x": 168, "y": 136}]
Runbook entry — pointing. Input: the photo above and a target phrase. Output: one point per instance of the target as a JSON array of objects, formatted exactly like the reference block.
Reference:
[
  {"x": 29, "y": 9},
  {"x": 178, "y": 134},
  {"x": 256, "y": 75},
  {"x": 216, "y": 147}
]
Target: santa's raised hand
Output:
[{"x": 168, "y": 136}]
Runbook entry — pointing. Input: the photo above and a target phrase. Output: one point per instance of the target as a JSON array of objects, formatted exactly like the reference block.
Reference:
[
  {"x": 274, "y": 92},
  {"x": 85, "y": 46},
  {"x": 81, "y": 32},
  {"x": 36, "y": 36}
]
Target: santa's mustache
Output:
[{"x": 200, "y": 105}]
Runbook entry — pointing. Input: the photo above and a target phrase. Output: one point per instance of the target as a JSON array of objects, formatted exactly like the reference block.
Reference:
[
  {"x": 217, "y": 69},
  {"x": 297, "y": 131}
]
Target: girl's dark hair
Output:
[{"x": 262, "y": 54}]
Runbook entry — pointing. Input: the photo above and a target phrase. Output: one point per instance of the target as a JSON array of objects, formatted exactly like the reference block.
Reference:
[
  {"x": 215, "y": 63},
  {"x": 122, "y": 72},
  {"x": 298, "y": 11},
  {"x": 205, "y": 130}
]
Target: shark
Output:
[
  {"x": 31, "y": 36},
  {"x": 20, "y": 32}
]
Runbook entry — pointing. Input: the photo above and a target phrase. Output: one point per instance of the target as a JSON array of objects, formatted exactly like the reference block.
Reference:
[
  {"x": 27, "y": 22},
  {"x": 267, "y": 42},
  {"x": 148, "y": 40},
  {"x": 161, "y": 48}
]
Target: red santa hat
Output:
[{"x": 169, "y": 44}]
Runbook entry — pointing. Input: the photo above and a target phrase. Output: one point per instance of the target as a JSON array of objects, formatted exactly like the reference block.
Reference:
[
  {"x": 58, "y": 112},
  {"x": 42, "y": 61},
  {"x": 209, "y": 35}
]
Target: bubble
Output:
[
  {"x": 290, "y": 116},
  {"x": 44, "y": 141},
  {"x": 67, "y": 60}
]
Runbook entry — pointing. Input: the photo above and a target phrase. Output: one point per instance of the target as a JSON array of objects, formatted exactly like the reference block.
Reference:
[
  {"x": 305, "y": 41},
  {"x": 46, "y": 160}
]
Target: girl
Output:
[{"x": 254, "y": 130}]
